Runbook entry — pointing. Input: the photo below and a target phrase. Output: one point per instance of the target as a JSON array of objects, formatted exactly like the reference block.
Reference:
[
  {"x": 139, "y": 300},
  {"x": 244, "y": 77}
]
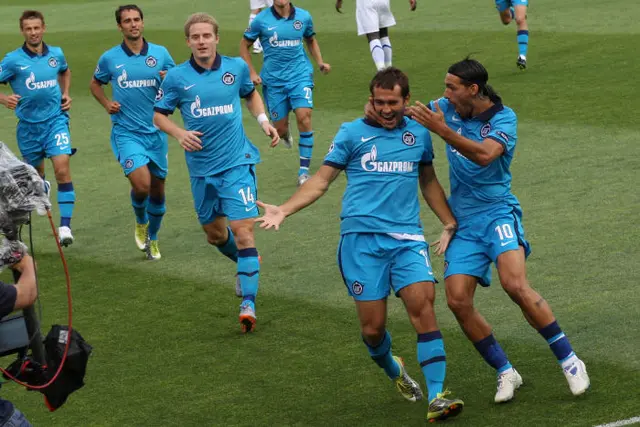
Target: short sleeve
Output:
[
  {"x": 427, "y": 154},
  {"x": 443, "y": 104},
  {"x": 6, "y": 70},
  {"x": 102, "y": 73},
  {"x": 252, "y": 33},
  {"x": 339, "y": 150},
  {"x": 168, "y": 61},
  {"x": 504, "y": 130},
  {"x": 246, "y": 85},
  {"x": 309, "y": 30},
  {"x": 62, "y": 61},
  {"x": 168, "y": 96},
  {"x": 8, "y": 295}
]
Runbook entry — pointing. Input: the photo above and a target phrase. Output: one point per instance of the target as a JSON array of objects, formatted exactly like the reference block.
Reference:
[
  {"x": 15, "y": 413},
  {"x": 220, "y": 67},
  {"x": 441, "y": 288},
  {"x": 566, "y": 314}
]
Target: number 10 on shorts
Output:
[
  {"x": 247, "y": 196},
  {"x": 504, "y": 231}
]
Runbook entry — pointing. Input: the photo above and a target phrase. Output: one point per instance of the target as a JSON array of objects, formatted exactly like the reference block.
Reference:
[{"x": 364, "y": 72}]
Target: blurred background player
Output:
[
  {"x": 287, "y": 73},
  {"x": 516, "y": 9},
  {"x": 256, "y": 6},
  {"x": 481, "y": 135},
  {"x": 382, "y": 246},
  {"x": 221, "y": 160},
  {"x": 40, "y": 79},
  {"x": 135, "y": 69},
  {"x": 374, "y": 18}
]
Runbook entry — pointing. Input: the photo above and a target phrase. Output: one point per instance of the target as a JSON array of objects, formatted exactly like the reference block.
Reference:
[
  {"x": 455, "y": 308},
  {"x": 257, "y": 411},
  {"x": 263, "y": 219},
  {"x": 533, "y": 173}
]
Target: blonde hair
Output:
[{"x": 200, "y": 18}]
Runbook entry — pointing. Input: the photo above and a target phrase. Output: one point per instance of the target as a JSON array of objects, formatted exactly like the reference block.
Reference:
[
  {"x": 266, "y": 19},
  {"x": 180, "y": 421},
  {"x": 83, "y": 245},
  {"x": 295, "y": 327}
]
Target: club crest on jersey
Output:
[
  {"x": 53, "y": 62},
  {"x": 159, "y": 95},
  {"x": 297, "y": 25},
  {"x": 408, "y": 138},
  {"x": 128, "y": 164},
  {"x": 228, "y": 78},
  {"x": 357, "y": 288},
  {"x": 484, "y": 131},
  {"x": 151, "y": 61},
  {"x": 274, "y": 115},
  {"x": 331, "y": 147}
]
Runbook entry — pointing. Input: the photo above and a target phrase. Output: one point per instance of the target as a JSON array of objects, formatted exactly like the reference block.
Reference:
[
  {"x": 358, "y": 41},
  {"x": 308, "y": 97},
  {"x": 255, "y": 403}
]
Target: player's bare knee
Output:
[
  {"x": 521, "y": 21},
  {"x": 373, "y": 334},
  {"x": 217, "y": 237},
  {"x": 516, "y": 288},
  {"x": 460, "y": 305},
  {"x": 304, "y": 120},
  {"x": 243, "y": 235},
  {"x": 62, "y": 174}
]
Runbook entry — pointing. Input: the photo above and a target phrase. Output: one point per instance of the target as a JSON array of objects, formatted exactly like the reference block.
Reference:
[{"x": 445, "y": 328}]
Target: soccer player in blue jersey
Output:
[
  {"x": 40, "y": 79},
  {"x": 516, "y": 9},
  {"x": 382, "y": 246},
  {"x": 481, "y": 135},
  {"x": 135, "y": 69},
  {"x": 287, "y": 73},
  {"x": 221, "y": 160}
]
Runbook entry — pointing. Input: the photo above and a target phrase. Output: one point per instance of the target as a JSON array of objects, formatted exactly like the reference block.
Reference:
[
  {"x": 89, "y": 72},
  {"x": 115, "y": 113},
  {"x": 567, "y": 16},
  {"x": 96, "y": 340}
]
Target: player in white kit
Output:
[
  {"x": 256, "y": 6},
  {"x": 374, "y": 18}
]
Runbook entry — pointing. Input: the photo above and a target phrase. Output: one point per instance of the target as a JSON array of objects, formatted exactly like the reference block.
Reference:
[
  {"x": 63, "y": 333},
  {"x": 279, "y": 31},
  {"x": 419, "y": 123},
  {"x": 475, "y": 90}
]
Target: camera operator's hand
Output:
[
  {"x": 25, "y": 263},
  {"x": 27, "y": 290}
]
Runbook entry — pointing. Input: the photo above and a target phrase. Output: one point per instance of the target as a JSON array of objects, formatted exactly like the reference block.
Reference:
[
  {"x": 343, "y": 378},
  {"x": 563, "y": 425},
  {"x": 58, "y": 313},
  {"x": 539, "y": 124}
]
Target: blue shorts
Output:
[
  {"x": 372, "y": 264},
  {"x": 232, "y": 193},
  {"x": 48, "y": 139},
  {"x": 134, "y": 150},
  {"x": 480, "y": 240},
  {"x": 282, "y": 99},
  {"x": 503, "y": 5}
]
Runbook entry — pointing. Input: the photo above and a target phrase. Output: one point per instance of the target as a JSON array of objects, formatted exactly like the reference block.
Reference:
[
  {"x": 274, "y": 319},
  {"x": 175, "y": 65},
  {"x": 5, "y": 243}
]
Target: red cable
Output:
[{"x": 66, "y": 348}]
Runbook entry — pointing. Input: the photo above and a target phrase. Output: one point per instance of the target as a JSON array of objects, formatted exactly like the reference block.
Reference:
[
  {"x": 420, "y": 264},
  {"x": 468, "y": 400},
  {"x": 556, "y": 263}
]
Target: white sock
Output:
[
  {"x": 256, "y": 44},
  {"x": 388, "y": 51},
  {"x": 377, "y": 53}
]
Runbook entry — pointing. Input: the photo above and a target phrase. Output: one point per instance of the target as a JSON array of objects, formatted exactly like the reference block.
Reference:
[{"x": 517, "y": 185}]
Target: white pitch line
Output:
[{"x": 626, "y": 422}]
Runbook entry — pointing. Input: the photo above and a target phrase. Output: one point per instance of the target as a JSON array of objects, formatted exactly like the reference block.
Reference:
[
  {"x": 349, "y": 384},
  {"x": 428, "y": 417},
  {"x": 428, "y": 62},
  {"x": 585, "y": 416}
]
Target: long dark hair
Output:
[{"x": 472, "y": 72}]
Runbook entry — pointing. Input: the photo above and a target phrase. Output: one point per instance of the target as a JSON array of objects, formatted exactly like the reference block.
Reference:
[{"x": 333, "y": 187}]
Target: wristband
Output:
[{"x": 262, "y": 117}]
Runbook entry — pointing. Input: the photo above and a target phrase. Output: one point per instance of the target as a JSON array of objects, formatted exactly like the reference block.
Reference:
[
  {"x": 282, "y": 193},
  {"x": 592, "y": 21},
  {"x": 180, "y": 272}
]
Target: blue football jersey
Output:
[
  {"x": 35, "y": 78},
  {"x": 209, "y": 101},
  {"x": 285, "y": 59},
  {"x": 135, "y": 80},
  {"x": 476, "y": 188},
  {"x": 382, "y": 169}
]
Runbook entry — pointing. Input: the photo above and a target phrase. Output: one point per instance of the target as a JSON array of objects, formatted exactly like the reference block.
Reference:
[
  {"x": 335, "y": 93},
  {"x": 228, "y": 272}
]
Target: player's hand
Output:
[
  {"x": 432, "y": 120},
  {"x": 325, "y": 68},
  {"x": 339, "y": 5},
  {"x": 113, "y": 107},
  {"x": 413, "y": 4},
  {"x": 270, "y": 131},
  {"x": 255, "y": 78},
  {"x": 66, "y": 102},
  {"x": 441, "y": 245},
  {"x": 12, "y": 101},
  {"x": 273, "y": 216},
  {"x": 162, "y": 73},
  {"x": 189, "y": 140}
]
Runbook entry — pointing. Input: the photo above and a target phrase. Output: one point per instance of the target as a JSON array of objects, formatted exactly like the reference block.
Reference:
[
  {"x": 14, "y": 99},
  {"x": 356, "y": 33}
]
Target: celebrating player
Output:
[
  {"x": 287, "y": 73},
  {"x": 516, "y": 9},
  {"x": 135, "y": 69},
  {"x": 40, "y": 79},
  {"x": 374, "y": 18},
  {"x": 256, "y": 6},
  {"x": 221, "y": 160},
  {"x": 382, "y": 247},
  {"x": 481, "y": 136}
]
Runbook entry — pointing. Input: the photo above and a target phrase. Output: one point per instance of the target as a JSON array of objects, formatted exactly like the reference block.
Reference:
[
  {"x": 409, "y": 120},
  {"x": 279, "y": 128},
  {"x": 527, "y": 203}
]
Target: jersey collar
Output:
[
  {"x": 488, "y": 114},
  {"x": 45, "y": 50},
  {"x": 216, "y": 64},
  {"x": 129, "y": 52},
  {"x": 277, "y": 15}
]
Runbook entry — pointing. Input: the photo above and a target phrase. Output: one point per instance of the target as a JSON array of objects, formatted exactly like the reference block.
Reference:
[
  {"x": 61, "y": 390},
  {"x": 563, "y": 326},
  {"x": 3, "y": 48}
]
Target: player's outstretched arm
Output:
[
  {"x": 339, "y": 6},
  {"x": 245, "y": 45},
  {"x": 306, "y": 194},
  {"x": 435, "y": 197},
  {"x": 112, "y": 107},
  {"x": 482, "y": 154},
  {"x": 256, "y": 107},
  {"x": 314, "y": 49},
  {"x": 188, "y": 139},
  {"x": 413, "y": 4}
]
